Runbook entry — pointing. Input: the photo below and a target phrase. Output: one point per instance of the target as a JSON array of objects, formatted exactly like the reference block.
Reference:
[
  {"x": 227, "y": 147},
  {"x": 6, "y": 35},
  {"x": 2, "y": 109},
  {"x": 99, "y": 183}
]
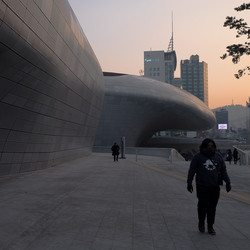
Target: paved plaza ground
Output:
[{"x": 98, "y": 204}]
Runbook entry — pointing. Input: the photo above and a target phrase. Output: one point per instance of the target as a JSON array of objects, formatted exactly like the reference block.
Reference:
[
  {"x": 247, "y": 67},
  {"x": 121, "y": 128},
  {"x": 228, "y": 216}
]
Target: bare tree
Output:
[{"x": 236, "y": 51}]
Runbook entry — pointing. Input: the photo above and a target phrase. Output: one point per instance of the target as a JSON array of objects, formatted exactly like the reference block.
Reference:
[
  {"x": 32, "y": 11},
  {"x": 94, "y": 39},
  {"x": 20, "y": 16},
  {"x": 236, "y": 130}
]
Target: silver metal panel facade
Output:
[
  {"x": 137, "y": 107},
  {"x": 51, "y": 86}
]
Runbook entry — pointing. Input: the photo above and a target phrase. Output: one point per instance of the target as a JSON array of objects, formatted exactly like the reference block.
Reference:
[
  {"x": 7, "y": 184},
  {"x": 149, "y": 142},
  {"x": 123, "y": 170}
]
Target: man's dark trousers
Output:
[{"x": 207, "y": 201}]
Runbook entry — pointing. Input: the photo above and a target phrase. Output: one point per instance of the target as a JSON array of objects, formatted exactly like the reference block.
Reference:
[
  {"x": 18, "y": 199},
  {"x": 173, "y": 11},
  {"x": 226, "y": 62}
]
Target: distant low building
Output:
[
  {"x": 222, "y": 119},
  {"x": 236, "y": 117}
]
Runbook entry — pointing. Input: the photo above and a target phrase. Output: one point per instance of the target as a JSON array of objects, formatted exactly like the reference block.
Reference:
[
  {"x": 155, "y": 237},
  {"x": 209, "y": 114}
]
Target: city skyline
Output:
[{"x": 120, "y": 31}]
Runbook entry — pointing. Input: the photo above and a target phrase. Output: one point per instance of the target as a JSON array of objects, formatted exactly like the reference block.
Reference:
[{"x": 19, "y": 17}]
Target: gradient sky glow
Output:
[{"x": 120, "y": 31}]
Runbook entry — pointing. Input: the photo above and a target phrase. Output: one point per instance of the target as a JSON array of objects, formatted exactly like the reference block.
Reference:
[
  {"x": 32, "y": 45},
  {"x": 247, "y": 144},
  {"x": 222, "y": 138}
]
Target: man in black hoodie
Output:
[{"x": 210, "y": 169}]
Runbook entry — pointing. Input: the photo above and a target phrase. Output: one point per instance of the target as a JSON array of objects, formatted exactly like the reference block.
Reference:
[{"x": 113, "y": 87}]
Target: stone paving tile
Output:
[{"x": 92, "y": 204}]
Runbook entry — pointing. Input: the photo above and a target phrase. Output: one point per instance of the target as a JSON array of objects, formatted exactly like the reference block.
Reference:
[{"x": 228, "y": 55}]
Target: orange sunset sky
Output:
[{"x": 119, "y": 32}]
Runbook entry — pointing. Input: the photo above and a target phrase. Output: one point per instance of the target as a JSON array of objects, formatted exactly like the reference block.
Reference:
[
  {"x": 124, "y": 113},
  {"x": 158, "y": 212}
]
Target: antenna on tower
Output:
[{"x": 171, "y": 43}]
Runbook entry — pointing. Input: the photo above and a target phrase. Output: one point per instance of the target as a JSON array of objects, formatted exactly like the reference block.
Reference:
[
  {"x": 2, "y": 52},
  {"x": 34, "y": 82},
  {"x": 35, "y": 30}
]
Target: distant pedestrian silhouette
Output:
[
  {"x": 235, "y": 155},
  {"x": 115, "y": 151},
  {"x": 229, "y": 156}
]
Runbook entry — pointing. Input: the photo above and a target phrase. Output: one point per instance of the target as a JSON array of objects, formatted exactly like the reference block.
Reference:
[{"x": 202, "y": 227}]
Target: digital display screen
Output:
[{"x": 222, "y": 126}]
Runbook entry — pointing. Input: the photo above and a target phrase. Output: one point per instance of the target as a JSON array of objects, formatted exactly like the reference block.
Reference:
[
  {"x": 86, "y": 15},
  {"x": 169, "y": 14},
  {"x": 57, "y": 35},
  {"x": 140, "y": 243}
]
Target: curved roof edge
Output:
[
  {"x": 137, "y": 107},
  {"x": 113, "y": 74}
]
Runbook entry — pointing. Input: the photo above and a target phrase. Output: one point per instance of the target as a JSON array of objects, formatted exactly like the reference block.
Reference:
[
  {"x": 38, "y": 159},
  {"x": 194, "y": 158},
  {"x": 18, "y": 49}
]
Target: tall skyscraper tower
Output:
[
  {"x": 160, "y": 65},
  {"x": 194, "y": 75}
]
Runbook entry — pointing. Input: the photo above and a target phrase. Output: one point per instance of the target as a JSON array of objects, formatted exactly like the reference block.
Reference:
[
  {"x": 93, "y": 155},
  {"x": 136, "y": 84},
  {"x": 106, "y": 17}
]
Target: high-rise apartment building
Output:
[{"x": 194, "y": 75}]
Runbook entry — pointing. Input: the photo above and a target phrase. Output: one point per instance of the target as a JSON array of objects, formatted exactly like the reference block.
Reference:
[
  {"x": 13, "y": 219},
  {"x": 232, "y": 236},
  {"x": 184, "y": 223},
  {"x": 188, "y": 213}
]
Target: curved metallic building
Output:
[
  {"x": 137, "y": 107},
  {"x": 51, "y": 86}
]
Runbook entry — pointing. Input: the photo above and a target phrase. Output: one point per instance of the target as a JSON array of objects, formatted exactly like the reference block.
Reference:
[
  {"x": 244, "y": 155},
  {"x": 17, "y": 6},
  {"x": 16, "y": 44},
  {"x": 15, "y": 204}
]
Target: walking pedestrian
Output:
[
  {"x": 229, "y": 156},
  {"x": 115, "y": 151},
  {"x": 210, "y": 170},
  {"x": 235, "y": 155}
]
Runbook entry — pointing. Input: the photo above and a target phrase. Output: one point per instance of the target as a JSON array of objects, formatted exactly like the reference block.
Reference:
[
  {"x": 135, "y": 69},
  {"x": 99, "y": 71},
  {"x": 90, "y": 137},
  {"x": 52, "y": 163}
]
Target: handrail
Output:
[
  {"x": 244, "y": 154},
  {"x": 243, "y": 147}
]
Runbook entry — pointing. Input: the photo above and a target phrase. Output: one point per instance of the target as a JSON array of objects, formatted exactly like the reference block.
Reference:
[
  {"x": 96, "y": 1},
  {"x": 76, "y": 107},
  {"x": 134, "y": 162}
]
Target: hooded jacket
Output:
[{"x": 206, "y": 169}]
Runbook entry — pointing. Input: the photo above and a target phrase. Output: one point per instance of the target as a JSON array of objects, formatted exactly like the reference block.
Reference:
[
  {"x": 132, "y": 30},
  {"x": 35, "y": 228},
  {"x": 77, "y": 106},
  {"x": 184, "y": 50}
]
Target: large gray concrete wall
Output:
[
  {"x": 137, "y": 107},
  {"x": 51, "y": 86}
]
